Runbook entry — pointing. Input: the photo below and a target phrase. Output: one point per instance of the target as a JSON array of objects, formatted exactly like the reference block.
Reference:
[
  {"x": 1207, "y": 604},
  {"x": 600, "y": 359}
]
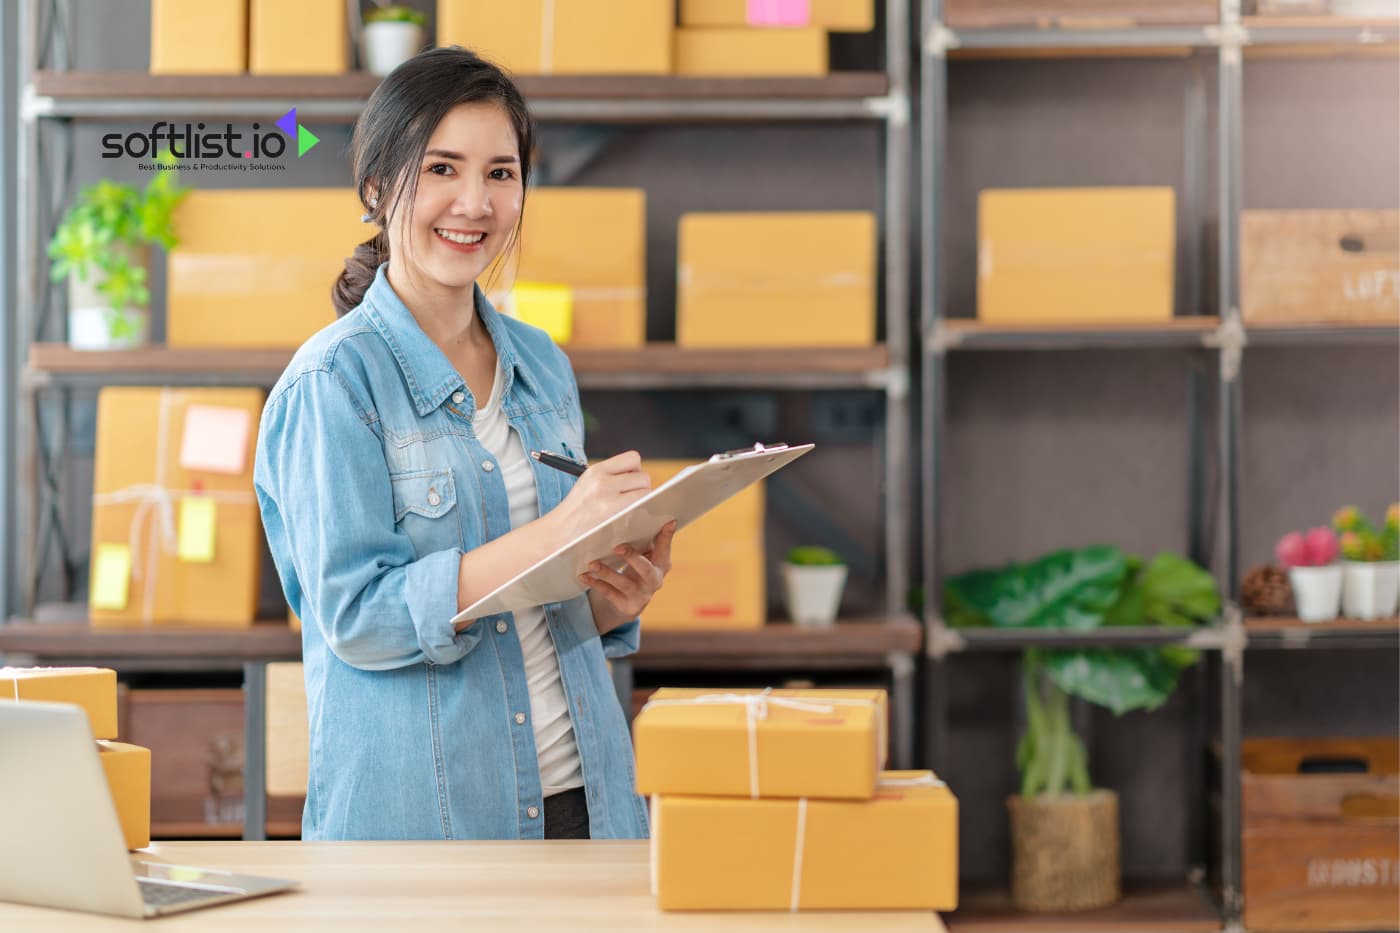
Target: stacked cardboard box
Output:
[
  {"x": 308, "y": 37},
  {"x": 94, "y": 689},
  {"x": 563, "y": 37},
  {"x": 764, "y": 38},
  {"x": 774, "y": 800}
]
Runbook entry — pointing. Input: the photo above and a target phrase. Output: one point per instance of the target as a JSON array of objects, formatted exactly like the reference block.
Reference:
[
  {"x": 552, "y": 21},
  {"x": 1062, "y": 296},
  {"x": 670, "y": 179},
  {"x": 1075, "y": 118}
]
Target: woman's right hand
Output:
[{"x": 603, "y": 490}]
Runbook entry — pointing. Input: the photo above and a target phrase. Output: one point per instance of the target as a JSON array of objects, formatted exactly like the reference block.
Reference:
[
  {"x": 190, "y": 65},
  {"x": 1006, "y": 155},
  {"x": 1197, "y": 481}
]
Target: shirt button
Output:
[
  {"x": 533, "y": 812},
  {"x": 488, "y": 466},
  {"x": 520, "y": 719},
  {"x": 433, "y": 497},
  {"x": 501, "y": 626},
  {"x": 459, "y": 397}
]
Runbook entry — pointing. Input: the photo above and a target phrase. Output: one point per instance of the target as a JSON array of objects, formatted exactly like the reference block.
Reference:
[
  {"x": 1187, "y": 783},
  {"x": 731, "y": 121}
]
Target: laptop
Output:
[{"x": 64, "y": 843}]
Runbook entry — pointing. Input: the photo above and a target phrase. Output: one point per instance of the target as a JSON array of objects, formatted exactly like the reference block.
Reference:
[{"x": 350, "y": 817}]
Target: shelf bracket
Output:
[
  {"x": 1235, "y": 641},
  {"x": 32, "y": 107},
  {"x": 895, "y": 381},
  {"x": 943, "y": 641},
  {"x": 940, "y": 40},
  {"x": 943, "y": 338},
  {"x": 1231, "y": 37},
  {"x": 1230, "y": 339}
]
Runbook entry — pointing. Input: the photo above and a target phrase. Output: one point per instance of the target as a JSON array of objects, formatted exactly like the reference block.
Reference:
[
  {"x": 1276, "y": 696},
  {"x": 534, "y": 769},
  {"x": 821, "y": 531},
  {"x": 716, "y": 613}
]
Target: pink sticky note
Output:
[
  {"x": 216, "y": 439},
  {"x": 780, "y": 12}
]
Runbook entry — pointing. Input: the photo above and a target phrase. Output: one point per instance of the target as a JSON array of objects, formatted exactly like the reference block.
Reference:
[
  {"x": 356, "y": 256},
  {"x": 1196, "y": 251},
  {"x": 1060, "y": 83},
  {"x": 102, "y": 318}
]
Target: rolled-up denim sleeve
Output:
[
  {"x": 328, "y": 509},
  {"x": 623, "y": 640}
]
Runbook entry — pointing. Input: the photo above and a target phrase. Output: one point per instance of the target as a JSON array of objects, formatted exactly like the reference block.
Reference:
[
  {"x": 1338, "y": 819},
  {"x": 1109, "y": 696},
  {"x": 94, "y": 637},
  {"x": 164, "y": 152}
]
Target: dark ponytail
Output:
[{"x": 392, "y": 135}]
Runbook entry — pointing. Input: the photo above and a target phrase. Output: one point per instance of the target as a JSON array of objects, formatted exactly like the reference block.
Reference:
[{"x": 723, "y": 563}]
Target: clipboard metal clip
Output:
[{"x": 755, "y": 449}]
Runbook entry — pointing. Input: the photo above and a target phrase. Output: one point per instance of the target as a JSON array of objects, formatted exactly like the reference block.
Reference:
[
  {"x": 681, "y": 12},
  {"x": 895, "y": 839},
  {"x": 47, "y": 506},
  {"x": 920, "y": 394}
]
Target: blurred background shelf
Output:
[
  {"x": 1281, "y": 632},
  {"x": 972, "y": 334},
  {"x": 1181, "y": 908}
]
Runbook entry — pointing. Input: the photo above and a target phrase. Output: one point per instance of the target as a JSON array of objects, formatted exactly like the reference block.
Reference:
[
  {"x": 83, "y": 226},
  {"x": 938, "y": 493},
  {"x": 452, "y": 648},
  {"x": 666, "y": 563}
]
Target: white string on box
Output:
[
  {"x": 546, "y": 37},
  {"x": 799, "y": 848}
]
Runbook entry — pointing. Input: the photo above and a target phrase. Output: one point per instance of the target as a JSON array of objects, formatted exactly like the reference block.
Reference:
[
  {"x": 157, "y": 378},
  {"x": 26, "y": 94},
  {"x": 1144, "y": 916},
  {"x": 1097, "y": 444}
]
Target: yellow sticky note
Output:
[
  {"x": 197, "y": 516},
  {"x": 111, "y": 576},
  {"x": 547, "y": 306}
]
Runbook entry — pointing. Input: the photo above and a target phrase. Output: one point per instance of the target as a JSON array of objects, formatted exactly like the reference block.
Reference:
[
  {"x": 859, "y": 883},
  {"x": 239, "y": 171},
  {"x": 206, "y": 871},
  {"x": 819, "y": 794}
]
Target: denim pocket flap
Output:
[{"x": 430, "y": 493}]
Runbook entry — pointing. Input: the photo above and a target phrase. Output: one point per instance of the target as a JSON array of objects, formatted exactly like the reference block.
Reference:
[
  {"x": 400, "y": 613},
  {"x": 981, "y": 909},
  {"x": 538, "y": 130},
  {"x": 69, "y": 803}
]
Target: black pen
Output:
[{"x": 572, "y": 467}]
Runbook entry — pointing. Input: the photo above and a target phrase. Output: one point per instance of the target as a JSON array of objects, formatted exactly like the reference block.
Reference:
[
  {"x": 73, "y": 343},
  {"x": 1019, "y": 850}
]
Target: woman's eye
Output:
[
  {"x": 440, "y": 168},
  {"x": 502, "y": 174}
]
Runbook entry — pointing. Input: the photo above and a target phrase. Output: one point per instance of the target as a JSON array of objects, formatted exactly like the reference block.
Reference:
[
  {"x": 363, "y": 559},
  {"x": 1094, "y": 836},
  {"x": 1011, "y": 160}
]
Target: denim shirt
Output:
[{"x": 372, "y": 484}]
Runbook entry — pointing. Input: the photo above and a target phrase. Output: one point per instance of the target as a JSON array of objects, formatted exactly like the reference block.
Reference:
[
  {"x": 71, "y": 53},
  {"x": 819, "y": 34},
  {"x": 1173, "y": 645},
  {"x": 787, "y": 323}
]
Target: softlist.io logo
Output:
[{"x": 202, "y": 147}]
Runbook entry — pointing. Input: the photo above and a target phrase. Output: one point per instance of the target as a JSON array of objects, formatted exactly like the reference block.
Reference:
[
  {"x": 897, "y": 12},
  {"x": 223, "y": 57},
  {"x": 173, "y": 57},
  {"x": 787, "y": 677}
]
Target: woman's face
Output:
[{"x": 468, "y": 200}]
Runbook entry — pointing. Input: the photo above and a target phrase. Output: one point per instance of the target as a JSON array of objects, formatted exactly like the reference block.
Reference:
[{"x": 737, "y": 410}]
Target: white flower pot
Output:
[
  {"x": 1370, "y": 589},
  {"x": 813, "y": 592},
  {"x": 93, "y": 324},
  {"x": 386, "y": 46},
  {"x": 1317, "y": 592}
]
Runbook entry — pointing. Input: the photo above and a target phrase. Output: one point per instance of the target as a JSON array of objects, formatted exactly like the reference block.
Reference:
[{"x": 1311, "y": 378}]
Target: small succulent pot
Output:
[
  {"x": 1370, "y": 589},
  {"x": 386, "y": 45},
  {"x": 93, "y": 324},
  {"x": 1317, "y": 591},
  {"x": 813, "y": 592}
]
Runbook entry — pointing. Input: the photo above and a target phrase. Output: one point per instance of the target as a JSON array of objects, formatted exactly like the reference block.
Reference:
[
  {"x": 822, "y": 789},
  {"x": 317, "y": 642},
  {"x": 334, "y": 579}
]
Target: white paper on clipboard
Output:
[{"x": 685, "y": 497}]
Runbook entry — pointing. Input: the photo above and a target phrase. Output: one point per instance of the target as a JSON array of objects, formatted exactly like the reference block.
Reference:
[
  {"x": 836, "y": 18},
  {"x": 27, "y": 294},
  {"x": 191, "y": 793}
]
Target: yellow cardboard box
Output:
[
  {"x": 835, "y": 15},
  {"x": 209, "y": 37},
  {"x": 594, "y": 241},
  {"x": 1076, "y": 255},
  {"x": 92, "y": 688},
  {"x": 176, "y": 537},
  {"x": 563, "y": 37},
  {"x": 1308, "y": 267},
  {"x": 750, "y": 52},
  {"x": 781, "y": 743},
  {"x": 128, "y": 769},
  {"x": 254, "y": 269},
  {"x": 799, "y": 279},
  {"x": 717, "y": 564},
  {"x": 307, "y": 37},
  {"x": 898, "y": 850}
]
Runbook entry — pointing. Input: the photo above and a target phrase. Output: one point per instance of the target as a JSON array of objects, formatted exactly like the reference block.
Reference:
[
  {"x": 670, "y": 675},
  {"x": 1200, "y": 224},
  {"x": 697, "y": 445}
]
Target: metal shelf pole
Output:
[{"x": 897, "y": 453}]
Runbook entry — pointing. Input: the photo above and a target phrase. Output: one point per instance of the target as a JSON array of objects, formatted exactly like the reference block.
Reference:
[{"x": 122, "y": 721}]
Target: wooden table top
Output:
[{"x": 424, "y": 887}]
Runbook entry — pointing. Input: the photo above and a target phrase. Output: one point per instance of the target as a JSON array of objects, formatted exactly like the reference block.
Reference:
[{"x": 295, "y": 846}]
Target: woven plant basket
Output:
[{"x": 1064, "y": 851}]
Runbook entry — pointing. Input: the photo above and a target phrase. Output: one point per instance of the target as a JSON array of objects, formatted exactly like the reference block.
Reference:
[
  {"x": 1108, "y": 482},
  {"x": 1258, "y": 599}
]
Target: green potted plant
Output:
[
  {"x": 1371, "y": 562},
  {"x": 813, "y": 578},
  {"x": 102, "y": 248},
  {"x": 392, "y": 34},
  {"x": 1065, "y": 845}
]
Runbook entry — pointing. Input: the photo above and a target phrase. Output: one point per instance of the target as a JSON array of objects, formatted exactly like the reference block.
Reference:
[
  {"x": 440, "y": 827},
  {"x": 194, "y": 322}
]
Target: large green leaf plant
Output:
[
  {"x": 112, "y": 214},
  {"x": 1081, "y": 590}
]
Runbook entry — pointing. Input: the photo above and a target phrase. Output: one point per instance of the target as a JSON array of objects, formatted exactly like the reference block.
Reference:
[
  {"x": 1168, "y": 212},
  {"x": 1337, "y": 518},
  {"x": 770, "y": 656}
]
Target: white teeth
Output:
[{"x": 464, "y": 238}]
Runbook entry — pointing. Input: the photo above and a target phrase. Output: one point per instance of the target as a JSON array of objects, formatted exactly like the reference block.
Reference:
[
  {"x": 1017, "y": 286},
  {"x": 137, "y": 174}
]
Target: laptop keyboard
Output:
[{"x": 161, "y": 894}]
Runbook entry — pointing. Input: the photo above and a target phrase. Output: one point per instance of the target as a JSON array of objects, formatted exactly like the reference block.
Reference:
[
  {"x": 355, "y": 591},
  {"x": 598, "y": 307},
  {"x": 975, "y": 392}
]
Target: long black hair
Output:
[{"x": 391, "y": 137}]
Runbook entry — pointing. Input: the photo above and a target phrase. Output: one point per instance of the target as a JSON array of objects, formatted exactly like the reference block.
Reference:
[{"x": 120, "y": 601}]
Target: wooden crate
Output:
[
  {"x": 1070, "y": 14},
  {"x": 1300, "y": 267},
  {"x": 1321, "y": 850}
]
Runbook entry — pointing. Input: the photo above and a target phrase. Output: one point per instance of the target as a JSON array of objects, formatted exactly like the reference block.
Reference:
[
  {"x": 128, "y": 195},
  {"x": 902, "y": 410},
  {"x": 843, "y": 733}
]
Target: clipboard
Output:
[{"x": 684, "y": 497}]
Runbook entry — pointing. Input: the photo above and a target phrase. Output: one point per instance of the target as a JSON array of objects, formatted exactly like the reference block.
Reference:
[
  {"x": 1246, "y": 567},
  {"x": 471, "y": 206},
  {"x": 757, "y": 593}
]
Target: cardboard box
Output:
[
  {"x": 1071, "y": 14},
  {"x": 898, "y": 850},
  {"x": 594, "y": 241},
  {"x": 209, "y": 37},
  {"x": 782, "y": 743},
  {"x": 288, "y": 733},
  {"x": 128, "y": 769},
  {"x": 176, "y": 536},
  {"x": 1310, "y": 267},
  {"x": 254, "y": 268},
  {"x": 307, "y": 37},
  {"x": 748, "y": 52},
  {"x": 1049, "y": 256},
  {"x": 584, "y": 37},
  {"x": 800, "y": 279},
  {"x": 717, "y": 564},
  {"x": 833, "y": 15},
  {"x": 92, "y": 688}
]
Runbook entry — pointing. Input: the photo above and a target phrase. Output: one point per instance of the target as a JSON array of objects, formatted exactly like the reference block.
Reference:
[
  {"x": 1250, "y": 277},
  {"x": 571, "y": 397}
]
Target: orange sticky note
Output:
[
  {"x": 111, "y": 576},
  {"x": 215, "y": 439},
  {"x": 196, "y": 535}
]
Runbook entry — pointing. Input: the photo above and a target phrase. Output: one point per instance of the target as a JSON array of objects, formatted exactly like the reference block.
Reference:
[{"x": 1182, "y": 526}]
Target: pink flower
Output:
[
  {"x": 1320, "y": 546},
  {"x": 1290, "y": 550}
]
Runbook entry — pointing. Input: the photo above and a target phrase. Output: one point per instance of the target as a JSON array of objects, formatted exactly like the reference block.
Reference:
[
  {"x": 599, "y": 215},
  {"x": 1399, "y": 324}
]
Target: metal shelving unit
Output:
[
  {"x": 59, "y": 97},
  {"x": 1226, "y": 42}
]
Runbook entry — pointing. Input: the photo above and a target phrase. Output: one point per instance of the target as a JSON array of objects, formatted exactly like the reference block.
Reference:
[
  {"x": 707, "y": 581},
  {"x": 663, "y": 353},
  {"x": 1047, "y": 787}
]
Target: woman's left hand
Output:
[{"x": 619, "y": 596}]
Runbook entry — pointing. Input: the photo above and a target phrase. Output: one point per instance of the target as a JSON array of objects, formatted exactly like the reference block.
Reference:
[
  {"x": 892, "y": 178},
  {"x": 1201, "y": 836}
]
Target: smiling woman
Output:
[{"x": 395, "y": 490}]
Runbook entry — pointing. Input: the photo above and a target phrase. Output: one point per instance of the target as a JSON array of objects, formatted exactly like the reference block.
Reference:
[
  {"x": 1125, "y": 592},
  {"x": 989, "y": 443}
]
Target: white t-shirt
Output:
[{"x": 560, "y": 768}]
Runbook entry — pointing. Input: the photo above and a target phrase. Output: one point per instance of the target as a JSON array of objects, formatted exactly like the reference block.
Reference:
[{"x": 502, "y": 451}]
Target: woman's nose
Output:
[{"x": 473, "y": 198}]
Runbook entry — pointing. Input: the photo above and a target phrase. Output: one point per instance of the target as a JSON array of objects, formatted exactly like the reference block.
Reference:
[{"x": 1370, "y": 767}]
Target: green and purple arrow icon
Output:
[{"x": 304, "y": 137}]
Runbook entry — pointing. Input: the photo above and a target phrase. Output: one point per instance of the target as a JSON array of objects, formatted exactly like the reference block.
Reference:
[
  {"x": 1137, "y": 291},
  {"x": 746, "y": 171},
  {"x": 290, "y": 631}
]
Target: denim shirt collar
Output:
[{"x": 426, "y": 370}]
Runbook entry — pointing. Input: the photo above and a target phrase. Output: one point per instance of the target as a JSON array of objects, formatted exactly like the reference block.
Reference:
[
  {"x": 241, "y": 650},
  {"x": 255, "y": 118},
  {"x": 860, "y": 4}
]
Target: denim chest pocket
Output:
[{"x": 425, "y": 507}]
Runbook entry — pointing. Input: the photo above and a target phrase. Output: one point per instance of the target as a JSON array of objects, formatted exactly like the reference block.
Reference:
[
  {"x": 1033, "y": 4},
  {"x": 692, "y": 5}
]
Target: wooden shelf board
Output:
[
  {"x": 1182, "y": 324},
  {"x": 1315, "y": 22},
  {"x": 652, "y": 359},
  {"x": 174, "y": 830},
  {"x": 1284, "y": 625},
  {"x": 872, "y": 638},
  {"x": 1143, "y": 909},
  {"x": 108, "y": 85}
]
